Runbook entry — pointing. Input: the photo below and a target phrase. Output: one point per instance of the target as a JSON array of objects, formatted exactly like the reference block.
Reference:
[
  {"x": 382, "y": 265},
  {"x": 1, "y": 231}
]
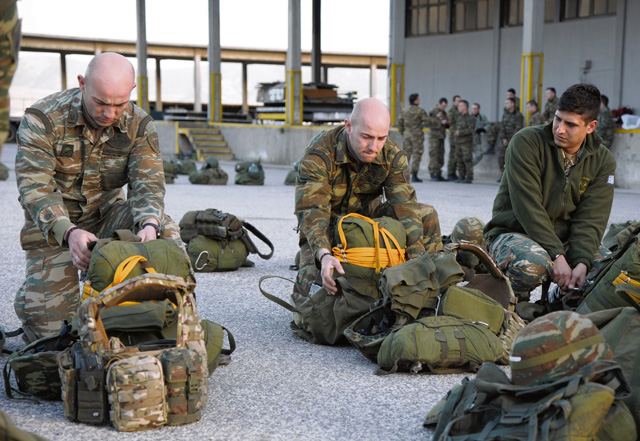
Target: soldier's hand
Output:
[
  {"x": 149, "y": 232},
  {"x": 327, "y": 265},
  {"x": 562, "y": 273},
  {"x": 78, "y": 241},
  {"x": 578, "y": 275}
]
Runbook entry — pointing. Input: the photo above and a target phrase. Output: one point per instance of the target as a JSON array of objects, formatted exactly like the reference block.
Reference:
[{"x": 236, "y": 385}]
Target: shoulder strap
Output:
[
  {"x": 251, "y": 246},
  {"x": 273, "y": 298}
]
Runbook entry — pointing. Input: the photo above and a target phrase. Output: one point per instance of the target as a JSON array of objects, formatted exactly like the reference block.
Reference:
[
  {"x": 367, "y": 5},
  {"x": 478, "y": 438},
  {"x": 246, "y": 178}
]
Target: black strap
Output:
[
  {"x": 251, "y": 246},
  {"x": 273, "y": 298},
  {"x": 232, "y": 343}
]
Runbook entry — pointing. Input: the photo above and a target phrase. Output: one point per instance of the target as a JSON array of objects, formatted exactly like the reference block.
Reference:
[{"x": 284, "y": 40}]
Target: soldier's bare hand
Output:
[
  {"x": 562, "y": 273},
  {"x": 578, "y": 275},
  {"x": 78, "y": 241},
  {"x": 328, "y": 265},
  {"x": 147, "y": 234}
]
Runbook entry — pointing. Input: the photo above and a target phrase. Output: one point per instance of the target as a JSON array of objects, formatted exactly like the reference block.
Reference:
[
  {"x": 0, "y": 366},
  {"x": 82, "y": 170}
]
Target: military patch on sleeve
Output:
[
  {"x": 610, "y": 180},
  {"x": 406, "y": 174},
  {"x": 584, "y": 183},
  {"x": 153, "y": 142}
]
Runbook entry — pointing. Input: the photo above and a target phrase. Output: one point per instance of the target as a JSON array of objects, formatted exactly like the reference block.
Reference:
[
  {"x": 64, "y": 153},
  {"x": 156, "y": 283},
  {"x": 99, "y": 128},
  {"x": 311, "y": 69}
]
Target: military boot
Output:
[
  {"x": 415, "y": 178},
  {"x": 466, "y": 180},
  {"x": 452, "y": 177}
]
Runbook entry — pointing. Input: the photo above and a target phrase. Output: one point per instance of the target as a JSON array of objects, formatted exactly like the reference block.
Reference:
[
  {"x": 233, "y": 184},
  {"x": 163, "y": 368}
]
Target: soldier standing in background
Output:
[
  {"x": 551, "y": 106},
  {"x": 512, "y": 121},
  {"x": 482, "y": 125},
  {"x": 605, "y": 125},
  {"x": 412, "y": 119},
  {"x": 76, "y": 150},
  {"x": 451, "y": 161},
  {"x": 463, "y": 131},
  {"x": 535, "y": 117},
  {"x": 437, "y": 133},
  {"x": 9, "y": 47},
  {"x": 511, "y": 93}
]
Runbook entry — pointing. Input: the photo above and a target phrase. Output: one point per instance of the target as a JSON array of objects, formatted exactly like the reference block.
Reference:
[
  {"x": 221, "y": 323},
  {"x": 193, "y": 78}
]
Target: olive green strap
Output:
[{"x": 273, "y": 298}]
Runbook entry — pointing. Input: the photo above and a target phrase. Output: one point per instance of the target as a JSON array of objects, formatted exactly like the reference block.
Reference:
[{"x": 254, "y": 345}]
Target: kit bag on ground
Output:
[
  {"x": 321, "y": 317},
  {"x": 136, "y": 387},
  {"x": 183, "y": 166},
  {"x": 249, "y": 173},
  {"x": 107, "y": 255},
  {"x": 620, "y": 328},
  {"x": 621, "y": 266},
  {"x": 169, "y": 172},
  {"x": 583, "y": 406},
  {"x": 209, "y": 174},
  {"x": 367, "y": 246},
  {"x": 218, "y": 241}
]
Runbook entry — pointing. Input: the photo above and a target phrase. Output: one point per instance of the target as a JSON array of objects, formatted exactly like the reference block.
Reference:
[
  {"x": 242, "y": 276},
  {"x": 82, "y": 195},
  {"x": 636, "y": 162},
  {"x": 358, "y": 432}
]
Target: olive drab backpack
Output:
[
  {"x": 142, "y": 386},
  {"x": 218, "y": 241},
  {"x": 249, "y": 173},
  {"x": 291, "y": 177},
  {"x": 169, "y": 172},
  {"x": 209, "y": 174},
  {"x": 183, "y": 166}
]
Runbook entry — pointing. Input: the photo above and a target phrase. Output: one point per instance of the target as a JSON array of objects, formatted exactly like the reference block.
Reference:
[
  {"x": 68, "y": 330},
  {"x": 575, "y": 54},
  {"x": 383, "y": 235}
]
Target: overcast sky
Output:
[{"x": 359, "y": 26}]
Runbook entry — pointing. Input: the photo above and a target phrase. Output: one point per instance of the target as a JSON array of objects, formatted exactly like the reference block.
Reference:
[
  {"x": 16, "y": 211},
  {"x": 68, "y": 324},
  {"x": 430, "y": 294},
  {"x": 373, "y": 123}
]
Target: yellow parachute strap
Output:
[
  {"x": 123, "y": 270},
  {"x": 624, "y": 278},
  {"x": 368, "y": 257}
]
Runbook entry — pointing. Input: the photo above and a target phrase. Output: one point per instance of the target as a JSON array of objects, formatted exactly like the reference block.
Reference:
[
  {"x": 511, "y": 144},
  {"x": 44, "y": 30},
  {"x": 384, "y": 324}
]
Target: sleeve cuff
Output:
[{"x": 56, "y": 233}]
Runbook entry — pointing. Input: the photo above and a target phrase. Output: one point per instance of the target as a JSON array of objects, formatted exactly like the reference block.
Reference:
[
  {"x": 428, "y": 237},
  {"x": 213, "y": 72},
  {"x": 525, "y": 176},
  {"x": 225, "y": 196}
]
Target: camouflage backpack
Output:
[
  {"x": 209, "y": 174},
  {"x": 564, "y": 386},
  {"x": 142, "y": 386},
  {"x": 249, "y": 173},
  {"x": 218, "y": 241}
]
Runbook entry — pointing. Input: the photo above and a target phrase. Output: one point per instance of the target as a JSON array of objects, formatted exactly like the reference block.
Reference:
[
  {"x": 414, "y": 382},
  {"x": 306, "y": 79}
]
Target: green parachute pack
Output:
[
  {"x": 249, "y": 173},
  {"x": 209, "y": 174},
  {"x": 564, "y": 386},
  {"x": 291, "y": 177},
  {"x": 218, "y": 241},
  {"x": 183, "y": 166},
  {"x": 169, "y": 172}
]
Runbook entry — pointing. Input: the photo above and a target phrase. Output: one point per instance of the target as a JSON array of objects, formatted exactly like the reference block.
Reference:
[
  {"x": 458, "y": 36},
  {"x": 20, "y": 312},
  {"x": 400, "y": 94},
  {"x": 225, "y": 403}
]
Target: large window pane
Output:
[
  {"x": 471, "y": 16},
  {"x": 442, "y": 19},
  {"x": 483, "y": 18},
  {"x": 599, "y": 7},
  {"x": 612, "y": 6},
  {"x": 549, "y": 10},
  {"x": 422, "y": 20},
  {"x": 459, "y": 17},
  {"x": 583, "y": 10}
]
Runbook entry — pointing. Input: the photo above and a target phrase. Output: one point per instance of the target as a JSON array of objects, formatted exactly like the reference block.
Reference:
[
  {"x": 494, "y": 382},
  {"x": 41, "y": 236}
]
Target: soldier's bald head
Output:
[
  {"x": 371, "y": 110},
  {"x": 112, "y": 70}
]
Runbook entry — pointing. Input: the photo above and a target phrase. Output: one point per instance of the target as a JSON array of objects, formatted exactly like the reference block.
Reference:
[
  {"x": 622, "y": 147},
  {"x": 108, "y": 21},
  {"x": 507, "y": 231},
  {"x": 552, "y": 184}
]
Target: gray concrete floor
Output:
[{"x": 277, "y": 387}]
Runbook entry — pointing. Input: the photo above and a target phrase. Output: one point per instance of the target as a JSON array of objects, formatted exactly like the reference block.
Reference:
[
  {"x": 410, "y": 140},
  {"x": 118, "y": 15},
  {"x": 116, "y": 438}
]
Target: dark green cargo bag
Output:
[
  {"x": 209, "y": 255},
  {"x": 354, "y": 234},
  {"x": 209, "y": 174},
  {"x": 249, "y": 173},
  {"x": 214, "y": 342},
  {"x": 621, "y": 266},
  {"x": 471, "y": 304},
  {"x": 440, "y": 345},
  {"x": 322, "y": 318},
  {"x": 183, "y": 166}
]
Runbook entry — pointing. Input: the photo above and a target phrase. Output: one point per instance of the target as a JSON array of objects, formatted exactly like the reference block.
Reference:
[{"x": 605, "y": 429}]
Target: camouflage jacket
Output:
[
  {"x": 465, "y": 126},
  {"x": 550, "y": 109},
  {"x": 536, "y": 119},
  {"x": 330, "y": 186},
  {"x": 67, "y": 177},
  {"x": 511, "y": 123},
  {"x": 482, "y": 123},
  {"x": 412, "y": 119},
  {"x": 605, "y": 126},
  {"x": 538, "y": 199},
  {"x": 452, "y": 115},
  {"x": 436, "y": 128}
]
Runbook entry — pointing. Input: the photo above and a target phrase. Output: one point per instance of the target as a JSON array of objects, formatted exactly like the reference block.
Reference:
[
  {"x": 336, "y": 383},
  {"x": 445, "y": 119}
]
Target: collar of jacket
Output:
[
  {"x": 342, "y": 152},
  {"x": 590, "y": 145},
  {"x": 76, "y": 115}
]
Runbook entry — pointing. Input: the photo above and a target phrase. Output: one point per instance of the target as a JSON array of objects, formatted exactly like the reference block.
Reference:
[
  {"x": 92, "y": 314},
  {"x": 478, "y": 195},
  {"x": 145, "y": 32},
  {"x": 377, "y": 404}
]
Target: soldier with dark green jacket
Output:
[
  {"x": 463, "y": 131},
  {"x": 410, "y": 123},
  {"x": 77, "y": 149},
  {"x": 605, "y": 122},
  {"x": 555, "y": 198},
  {"x": 535, "y": 117},
  {"x": 346, "y": 170}
]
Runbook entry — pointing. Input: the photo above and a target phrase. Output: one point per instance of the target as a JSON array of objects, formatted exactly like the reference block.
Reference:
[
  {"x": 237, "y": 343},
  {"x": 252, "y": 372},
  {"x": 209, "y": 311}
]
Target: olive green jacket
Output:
[{"x": 536, "y": 198}]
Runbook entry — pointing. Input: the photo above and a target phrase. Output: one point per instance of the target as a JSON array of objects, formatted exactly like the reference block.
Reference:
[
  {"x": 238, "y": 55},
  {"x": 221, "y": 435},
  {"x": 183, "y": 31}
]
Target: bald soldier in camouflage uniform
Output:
[
  {"x": 463, "y": 131},
  {"x": 9, "y": 46},
  {"x": 605, "y": 125},
  {"x": 437, "y": 133},
  {"x": 452, "y": 115},
  {"x": 76, "y": 150},
  {"x": 412, "y": 119},
  {"x": 346, "y": 170}
]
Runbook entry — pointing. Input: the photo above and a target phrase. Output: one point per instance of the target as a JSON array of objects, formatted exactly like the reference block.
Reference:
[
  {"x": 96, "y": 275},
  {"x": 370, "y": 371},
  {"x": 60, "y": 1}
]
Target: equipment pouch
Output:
[{"x": 186, "y": 388}]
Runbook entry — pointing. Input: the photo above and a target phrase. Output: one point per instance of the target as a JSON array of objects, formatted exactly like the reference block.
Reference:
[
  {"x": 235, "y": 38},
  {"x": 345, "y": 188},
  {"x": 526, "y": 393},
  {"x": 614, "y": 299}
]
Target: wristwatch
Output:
[{"x": 157, "y": 227}]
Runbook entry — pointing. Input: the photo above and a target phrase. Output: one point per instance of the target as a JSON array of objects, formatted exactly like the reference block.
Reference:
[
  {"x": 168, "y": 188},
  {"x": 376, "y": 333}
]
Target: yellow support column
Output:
[
  {"x": 397, "y": 88},
  {"x": 529, "y": 82},
  {"x": 293, "y": 97}
]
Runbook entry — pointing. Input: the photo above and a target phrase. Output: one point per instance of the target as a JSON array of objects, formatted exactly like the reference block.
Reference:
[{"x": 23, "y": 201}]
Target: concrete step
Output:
[
  {"x": 204, "y": 132},
  {"x": 204, "y": 144}
]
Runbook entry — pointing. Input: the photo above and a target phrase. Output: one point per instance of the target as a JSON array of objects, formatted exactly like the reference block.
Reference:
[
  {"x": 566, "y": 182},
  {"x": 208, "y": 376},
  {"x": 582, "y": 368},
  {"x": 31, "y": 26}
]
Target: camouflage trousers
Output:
[
  {"x": 51, "y": 291},
  {"x": 464, "y": 158},
  {"x": 414, "y": 146},
  {"x": 436, "y": 155},
  {"x": 524, "y": 261},
  {"x": 502, "y": 152},
  {"x": 308, "y": 273},
  {"x": 451, "y": 159},
  {"x": 493, "y": 133}
]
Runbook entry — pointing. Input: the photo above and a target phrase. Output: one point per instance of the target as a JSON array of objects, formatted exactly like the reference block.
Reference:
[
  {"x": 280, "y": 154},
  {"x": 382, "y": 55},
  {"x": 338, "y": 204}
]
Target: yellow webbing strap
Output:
[
  {"x": 123, "y": 270},
  {"x": 368, "y": 257},
  {"x": 624, "y": 278}
]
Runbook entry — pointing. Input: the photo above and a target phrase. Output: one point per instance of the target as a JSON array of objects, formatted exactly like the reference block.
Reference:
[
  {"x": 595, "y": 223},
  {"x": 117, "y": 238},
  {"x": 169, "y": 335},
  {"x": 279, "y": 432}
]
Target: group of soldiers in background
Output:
[{"x": 466, "y": 127}]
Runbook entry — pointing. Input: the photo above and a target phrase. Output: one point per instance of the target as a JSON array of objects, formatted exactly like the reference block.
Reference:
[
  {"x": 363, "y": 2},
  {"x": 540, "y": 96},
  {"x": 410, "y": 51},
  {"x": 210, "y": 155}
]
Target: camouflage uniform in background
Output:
[
  {"x": 452, "y": 116},
  {"x": 536, "y": 119},
  {"x": 67, "y": 177},
  {"x": 465, "y": 126},
  {"x": 412, "y": 119},
  {"x": 605, "y": 126},
  {"x": 511, "y": 123},
  {"x": 9, "y": 47},
  {"x": 330, "y": 185},
  {"x": 437, "y": 133},
  {"x": 550, "y": 109},
  {"x": 482, "y": 126}
]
